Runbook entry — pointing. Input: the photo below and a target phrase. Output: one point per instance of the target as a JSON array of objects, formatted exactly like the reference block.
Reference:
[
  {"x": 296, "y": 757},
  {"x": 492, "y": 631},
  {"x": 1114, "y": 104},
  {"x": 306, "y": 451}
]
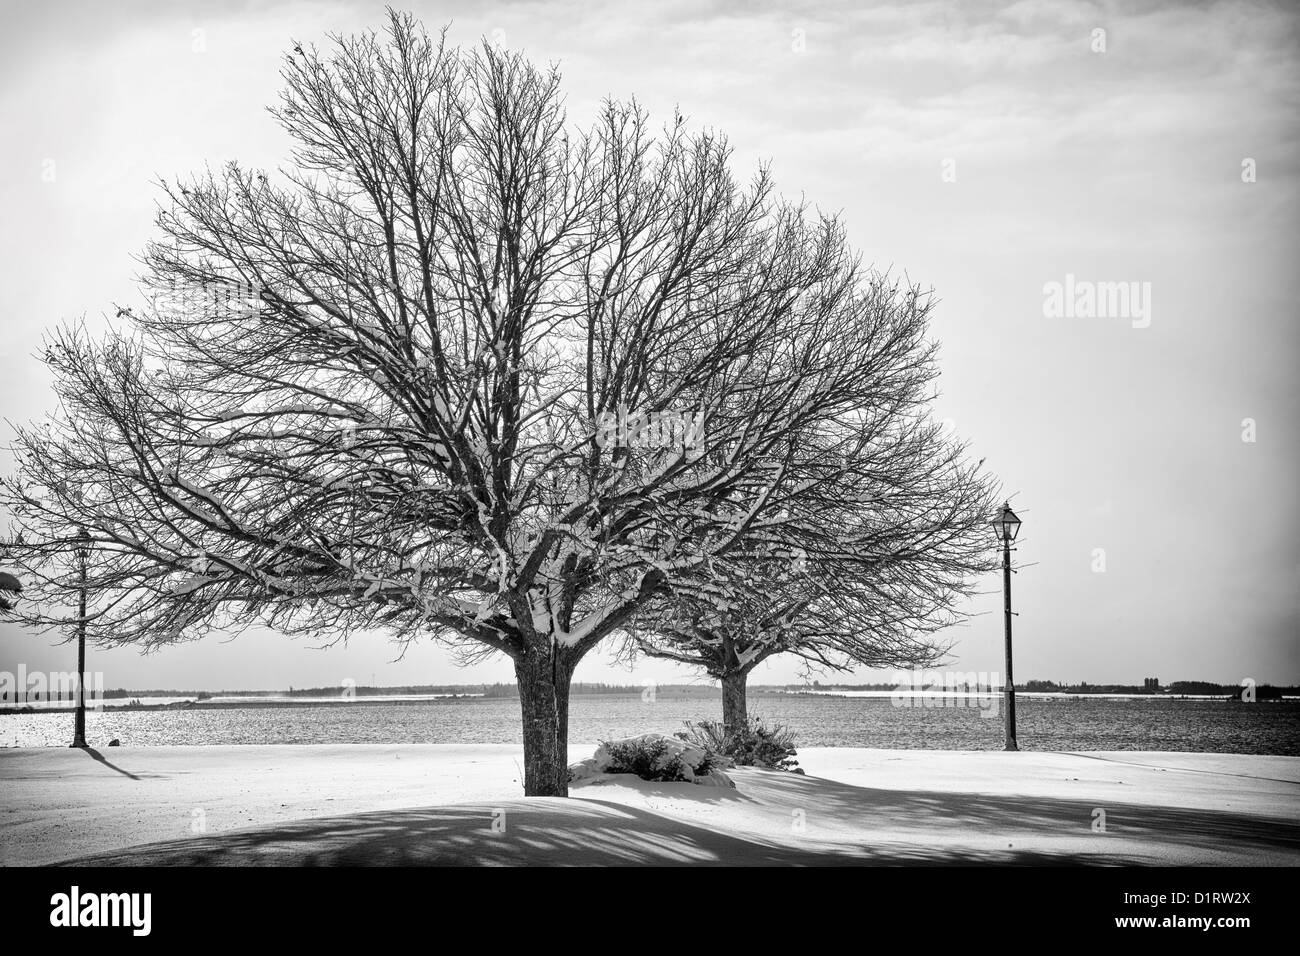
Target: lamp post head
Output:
[{"x": 1006, "y": 524}]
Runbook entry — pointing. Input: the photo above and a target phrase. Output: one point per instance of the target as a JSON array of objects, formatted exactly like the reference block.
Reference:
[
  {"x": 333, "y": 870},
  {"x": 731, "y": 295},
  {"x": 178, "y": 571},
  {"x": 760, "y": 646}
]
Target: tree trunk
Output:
[
  {"x": 564, "y": 674},
  {"x": 735, "y": 711},
  {"x": 544, "y": 702}
]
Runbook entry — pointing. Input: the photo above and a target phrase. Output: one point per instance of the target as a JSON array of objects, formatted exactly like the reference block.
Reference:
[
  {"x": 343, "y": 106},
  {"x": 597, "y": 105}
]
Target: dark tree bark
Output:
[
  {"x": 544, "y": 701},
  {"x": 565, "y": 672},
  {"x": 735, "y": 710}
]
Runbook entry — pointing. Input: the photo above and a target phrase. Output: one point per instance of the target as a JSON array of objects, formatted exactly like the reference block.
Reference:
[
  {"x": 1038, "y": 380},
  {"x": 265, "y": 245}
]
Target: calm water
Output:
[{"x": 1043, "y": 723}]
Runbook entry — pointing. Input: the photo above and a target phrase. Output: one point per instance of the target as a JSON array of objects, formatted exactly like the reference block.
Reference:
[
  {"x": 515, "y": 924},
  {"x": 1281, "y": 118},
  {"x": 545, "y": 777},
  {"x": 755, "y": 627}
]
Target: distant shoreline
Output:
[{"x": 216, "y": 702}]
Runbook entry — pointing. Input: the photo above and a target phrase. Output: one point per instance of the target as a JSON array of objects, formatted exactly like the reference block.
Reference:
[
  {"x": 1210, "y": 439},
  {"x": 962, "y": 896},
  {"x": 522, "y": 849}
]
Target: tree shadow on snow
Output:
[{"x": 536, "y": 832}]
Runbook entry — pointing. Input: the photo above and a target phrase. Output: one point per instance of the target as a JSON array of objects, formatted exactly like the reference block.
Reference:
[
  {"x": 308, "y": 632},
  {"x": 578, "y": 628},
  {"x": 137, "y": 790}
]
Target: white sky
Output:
[{"x": 1116, "y": 166}]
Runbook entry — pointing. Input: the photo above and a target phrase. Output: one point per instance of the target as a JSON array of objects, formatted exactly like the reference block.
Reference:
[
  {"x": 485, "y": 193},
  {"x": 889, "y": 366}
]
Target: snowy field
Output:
[{"x": 463, "y": 804}]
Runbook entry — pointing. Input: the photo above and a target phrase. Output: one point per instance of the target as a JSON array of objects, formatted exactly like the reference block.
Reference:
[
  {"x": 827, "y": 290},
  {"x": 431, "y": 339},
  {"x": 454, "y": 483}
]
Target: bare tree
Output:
[
  {"x": 897, "y": 563},
  {"x": 371, "y": 389}
]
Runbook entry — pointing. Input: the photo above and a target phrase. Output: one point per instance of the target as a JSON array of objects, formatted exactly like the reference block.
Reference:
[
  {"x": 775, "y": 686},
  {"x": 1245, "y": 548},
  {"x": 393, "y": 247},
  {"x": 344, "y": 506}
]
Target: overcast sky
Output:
[{"x": 987, "y": 150}]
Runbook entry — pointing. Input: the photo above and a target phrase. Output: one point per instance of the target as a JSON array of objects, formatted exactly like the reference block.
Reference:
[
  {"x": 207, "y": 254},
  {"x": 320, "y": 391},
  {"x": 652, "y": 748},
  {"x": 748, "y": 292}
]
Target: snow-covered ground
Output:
[{"x": 462, "y": 803}]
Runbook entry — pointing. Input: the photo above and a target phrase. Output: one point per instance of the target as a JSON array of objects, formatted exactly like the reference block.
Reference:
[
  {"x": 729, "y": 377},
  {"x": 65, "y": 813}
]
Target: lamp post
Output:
[
  {"x": 79, "y": 727},
  {"x": 1007, "y": 525}
]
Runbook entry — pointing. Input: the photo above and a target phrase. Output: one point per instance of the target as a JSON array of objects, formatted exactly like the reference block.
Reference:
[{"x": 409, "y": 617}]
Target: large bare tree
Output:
[{"x": 371, "y": 389}]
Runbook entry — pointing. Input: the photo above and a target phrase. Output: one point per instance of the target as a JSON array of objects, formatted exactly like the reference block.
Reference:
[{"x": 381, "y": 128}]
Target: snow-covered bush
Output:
[
  {"x": 650, "y": 758},
  {"x": 758, "y": 745},
  {"x": 653, "y": 757}
]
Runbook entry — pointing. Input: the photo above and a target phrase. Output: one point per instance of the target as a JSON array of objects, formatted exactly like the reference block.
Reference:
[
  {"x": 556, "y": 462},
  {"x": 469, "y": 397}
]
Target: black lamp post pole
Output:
[
  {"x": 1010, "y": 721},
  {"x": 79, "y": 725}
]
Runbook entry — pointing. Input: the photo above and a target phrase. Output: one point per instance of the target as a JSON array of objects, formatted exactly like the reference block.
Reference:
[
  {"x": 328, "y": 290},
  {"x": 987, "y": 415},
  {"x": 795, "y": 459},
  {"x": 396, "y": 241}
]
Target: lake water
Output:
[{"x": 1043, "y": 723}]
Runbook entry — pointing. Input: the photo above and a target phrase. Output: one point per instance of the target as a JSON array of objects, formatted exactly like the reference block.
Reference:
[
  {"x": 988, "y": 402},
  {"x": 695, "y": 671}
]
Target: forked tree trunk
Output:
[
  {"x": 735, "y": 711},
  {"x": 544, "y": 702}
]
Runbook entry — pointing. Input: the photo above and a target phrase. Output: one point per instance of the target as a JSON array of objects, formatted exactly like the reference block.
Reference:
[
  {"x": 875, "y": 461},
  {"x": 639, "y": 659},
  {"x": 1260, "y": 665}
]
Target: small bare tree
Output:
[
  {"x": 895, "y": 562},
  {"x": 374, "y": 390}
]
